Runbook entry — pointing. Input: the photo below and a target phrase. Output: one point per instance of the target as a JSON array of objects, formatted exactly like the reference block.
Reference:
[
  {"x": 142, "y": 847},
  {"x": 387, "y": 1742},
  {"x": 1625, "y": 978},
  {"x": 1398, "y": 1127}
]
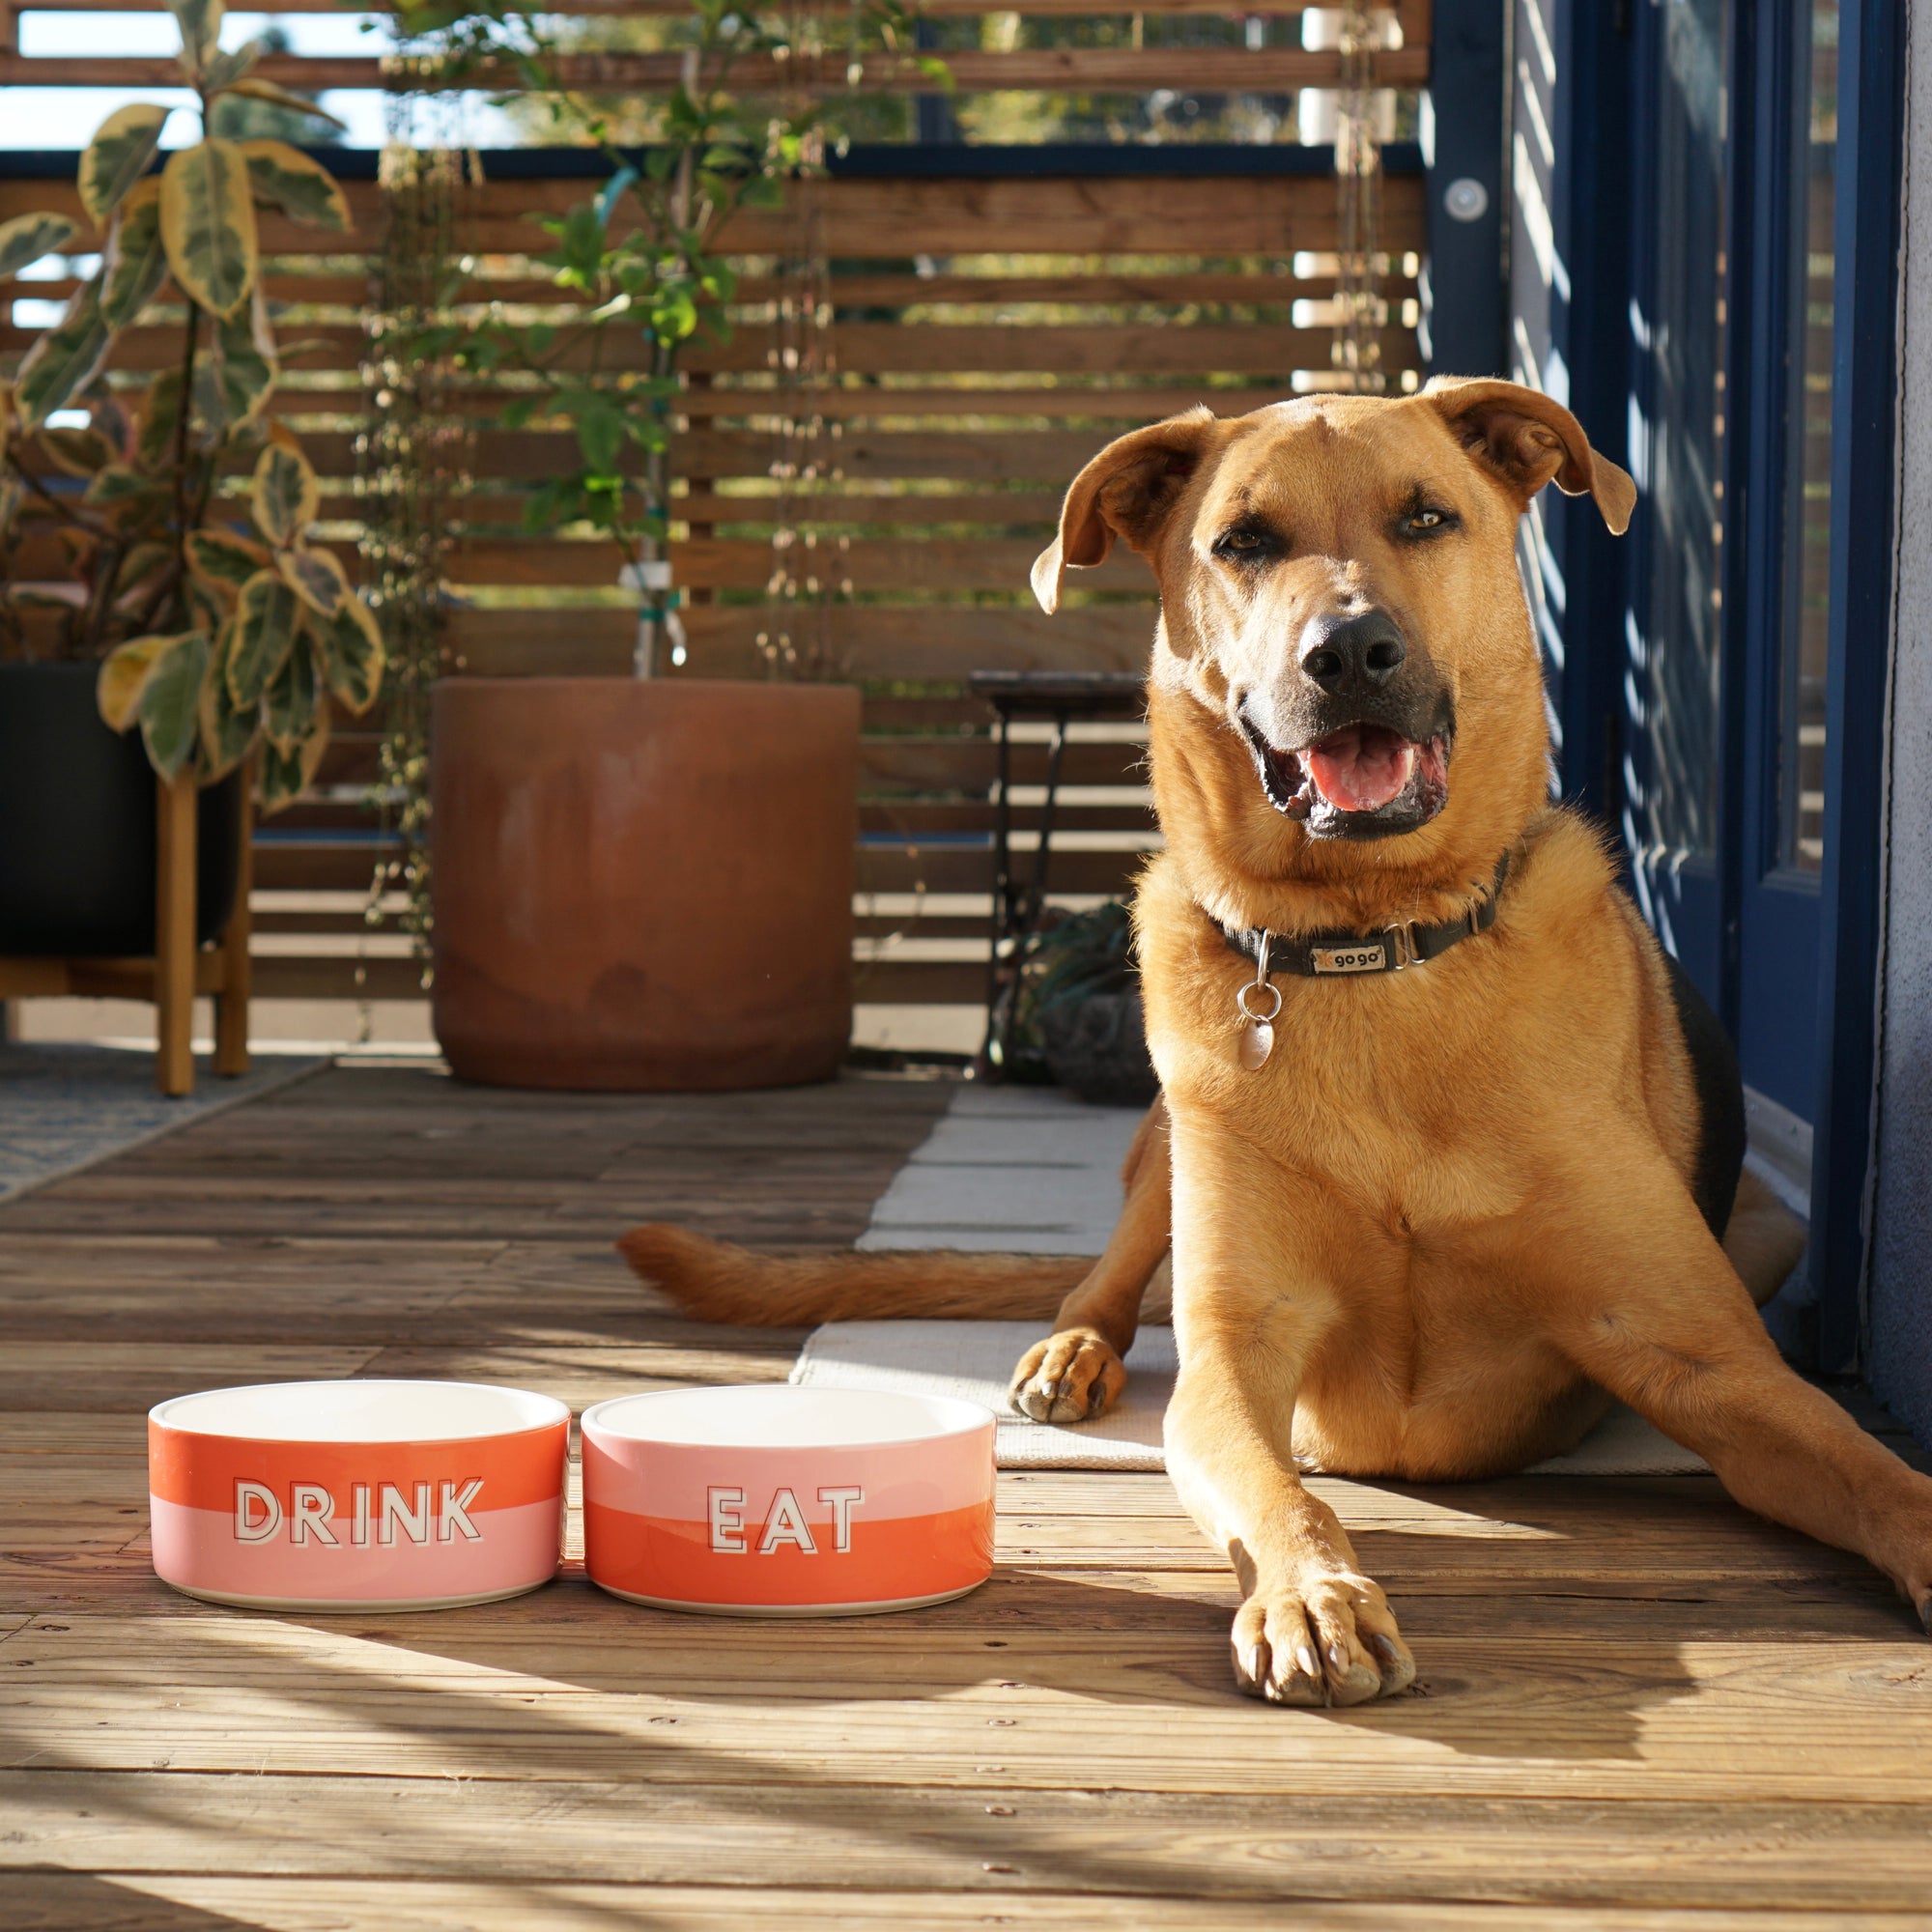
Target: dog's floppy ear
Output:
[
  {"x": 1527, "y": 440},
  {"x": 1128, "y": 488}
]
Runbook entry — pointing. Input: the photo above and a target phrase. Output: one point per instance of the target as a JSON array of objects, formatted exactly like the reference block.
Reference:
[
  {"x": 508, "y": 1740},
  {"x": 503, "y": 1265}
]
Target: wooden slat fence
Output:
[{"x": 989, "y": 331}]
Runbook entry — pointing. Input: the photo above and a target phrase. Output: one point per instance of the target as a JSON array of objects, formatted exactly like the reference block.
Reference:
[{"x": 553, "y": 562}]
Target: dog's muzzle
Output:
[{"x": 1362, "y": 780}]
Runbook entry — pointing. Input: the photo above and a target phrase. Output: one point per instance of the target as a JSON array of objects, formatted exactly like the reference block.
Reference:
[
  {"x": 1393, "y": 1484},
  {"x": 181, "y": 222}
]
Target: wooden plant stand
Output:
[{"x": 178, "y": 970}]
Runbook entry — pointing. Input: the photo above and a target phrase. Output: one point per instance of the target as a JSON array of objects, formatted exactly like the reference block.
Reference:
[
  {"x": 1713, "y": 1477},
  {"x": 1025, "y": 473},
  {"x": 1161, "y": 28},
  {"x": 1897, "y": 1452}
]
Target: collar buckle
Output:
[{"x": 1403, "y": 950}]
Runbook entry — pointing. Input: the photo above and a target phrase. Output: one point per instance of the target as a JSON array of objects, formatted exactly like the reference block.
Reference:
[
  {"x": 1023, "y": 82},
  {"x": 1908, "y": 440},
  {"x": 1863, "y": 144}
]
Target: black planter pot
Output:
[{"x": 77, "y": 826}]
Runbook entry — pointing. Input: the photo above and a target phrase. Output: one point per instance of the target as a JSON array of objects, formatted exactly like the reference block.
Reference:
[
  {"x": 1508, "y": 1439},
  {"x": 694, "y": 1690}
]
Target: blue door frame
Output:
[
  {"x": 1785, "y": 958},
  {"x": 1871, "y": 117}
]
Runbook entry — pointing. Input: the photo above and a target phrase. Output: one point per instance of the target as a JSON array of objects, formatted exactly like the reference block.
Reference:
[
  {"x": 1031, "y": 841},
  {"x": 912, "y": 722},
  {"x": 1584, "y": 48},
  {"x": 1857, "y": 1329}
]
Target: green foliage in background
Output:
[
  {"x": 640, "y": 259},
  {"x": 218, "y": 640}
]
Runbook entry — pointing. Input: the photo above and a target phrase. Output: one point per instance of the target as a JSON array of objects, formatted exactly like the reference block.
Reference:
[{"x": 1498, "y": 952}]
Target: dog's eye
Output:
[
  {"x": 1245, "y": 544},
  {"x": 1427, "y": 523}
]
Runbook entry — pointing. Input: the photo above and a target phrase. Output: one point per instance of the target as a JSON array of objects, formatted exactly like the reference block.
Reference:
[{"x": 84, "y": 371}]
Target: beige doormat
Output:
[{"x": 975, "y": 1359}]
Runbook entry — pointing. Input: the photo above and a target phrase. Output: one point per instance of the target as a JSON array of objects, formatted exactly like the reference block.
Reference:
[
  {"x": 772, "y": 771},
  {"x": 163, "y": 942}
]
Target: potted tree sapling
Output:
[
  {"x": 164, "y": 610},
  {"x": 639, "y": 882}
]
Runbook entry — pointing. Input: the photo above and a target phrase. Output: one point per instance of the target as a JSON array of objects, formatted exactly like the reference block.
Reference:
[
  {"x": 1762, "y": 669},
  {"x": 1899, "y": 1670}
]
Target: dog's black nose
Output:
[{"x": 1339, "y": 653}]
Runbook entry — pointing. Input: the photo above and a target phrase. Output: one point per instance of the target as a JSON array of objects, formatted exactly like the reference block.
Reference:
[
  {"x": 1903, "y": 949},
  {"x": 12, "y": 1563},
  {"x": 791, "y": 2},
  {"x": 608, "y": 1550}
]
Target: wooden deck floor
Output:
[{"x": 1638, "y": 1706}]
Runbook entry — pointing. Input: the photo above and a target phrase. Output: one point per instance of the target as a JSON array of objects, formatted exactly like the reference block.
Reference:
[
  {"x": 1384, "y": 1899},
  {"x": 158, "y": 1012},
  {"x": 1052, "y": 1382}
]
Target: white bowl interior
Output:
[
  {"x": 362, "y": 1412},
  {"x": 779, "y": 1416}
]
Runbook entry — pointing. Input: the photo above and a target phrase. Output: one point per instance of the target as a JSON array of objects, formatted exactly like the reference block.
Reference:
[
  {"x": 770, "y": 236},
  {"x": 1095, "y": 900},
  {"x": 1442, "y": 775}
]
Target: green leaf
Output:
[
  {"x": 224, "y": 559},
  {"x": 76, "y": 453},
  {"x": 265, "y": 618},
  {"x": 353, "y": 655},
  {"x": 118, "y": 155},
  {"x": 205, "y": 603},
  {"x": 290, "y": 706},
  {"x": 285, "y": 495},
  {"x": 316, "y": 577},
  {"x": 128, "y": 493},
  {"x": 116, "y": 483},
  {"x": 154, "y": 442},
  {"x": 200, "y": 24},
  {"x": 556, "y": 502},
  {"x": 124, "y": 676},
  {"x": 600, "y": 435},
  {"x": 242, "y": 368},
  {"x": 64, "y": 359},
  {"x": 137, "y": 264},
  {"x": 303, "y": 189},
  {"x": 170, "y": 705},
  {"x": 208, "y": 224},
  {"x": 26, "y": 237},
  {"x": 282, "y": 97},
  {"x": 142, "y": 564},
  {"x": 227, "y": 730},
  {"x": 286, "y": 776},
  {"x": 222, "y": 71}
]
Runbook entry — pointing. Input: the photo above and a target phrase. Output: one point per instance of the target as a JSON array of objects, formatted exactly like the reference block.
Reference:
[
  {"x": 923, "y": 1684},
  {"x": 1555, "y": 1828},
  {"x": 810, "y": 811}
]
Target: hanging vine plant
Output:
[{"x": 220, "y": 637}]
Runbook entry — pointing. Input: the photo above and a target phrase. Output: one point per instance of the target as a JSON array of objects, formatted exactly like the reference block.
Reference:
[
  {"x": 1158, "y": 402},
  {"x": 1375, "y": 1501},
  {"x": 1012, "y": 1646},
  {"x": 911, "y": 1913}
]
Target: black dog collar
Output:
[{"x": 1316, "y": 955}]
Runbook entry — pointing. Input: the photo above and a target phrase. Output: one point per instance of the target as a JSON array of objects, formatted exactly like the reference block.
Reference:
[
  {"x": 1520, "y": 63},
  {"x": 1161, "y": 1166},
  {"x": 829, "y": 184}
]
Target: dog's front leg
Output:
[
  {"x": 1079, "y": 1370},
  {"x": 1649, "y": 1308},
  {"x": 1251, "y": 1305}
]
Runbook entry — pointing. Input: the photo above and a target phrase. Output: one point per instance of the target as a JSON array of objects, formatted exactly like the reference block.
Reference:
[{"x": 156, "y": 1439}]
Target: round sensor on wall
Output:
[{"x": 1465, "y": 199}]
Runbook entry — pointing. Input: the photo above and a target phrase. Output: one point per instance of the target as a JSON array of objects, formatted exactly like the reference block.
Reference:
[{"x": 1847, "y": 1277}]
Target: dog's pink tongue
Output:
[{"x": 1360, "y": 768}]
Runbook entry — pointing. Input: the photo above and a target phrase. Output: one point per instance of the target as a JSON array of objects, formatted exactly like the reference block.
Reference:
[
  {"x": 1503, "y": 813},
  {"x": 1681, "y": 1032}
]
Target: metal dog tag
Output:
[
  {"x": 1257, "y": 1043},
  {"x": 1257, "y": 1035}
]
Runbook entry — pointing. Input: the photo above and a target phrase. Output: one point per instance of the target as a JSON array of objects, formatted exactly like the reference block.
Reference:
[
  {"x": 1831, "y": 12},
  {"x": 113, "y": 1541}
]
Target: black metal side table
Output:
[{"x": 1060, "y": 697}]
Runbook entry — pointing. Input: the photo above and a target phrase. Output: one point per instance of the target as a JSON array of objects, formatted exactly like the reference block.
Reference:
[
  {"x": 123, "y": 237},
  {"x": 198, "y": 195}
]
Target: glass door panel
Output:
[
  {"x": 1800, "y": 803},
  {"x": 1786, "y": 644},
  {"x": 1679, "y": 423}
]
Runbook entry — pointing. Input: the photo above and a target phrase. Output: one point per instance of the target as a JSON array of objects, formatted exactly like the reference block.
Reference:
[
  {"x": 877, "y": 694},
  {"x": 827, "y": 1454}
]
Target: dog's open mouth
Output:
[{"x": 1361, "y": 780}]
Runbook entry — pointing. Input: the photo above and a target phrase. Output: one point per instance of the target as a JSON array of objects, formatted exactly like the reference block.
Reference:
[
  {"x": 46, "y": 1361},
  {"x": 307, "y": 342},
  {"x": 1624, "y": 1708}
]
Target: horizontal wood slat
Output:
[
  {"x": 1412, "y": 13},
  {"x": 880, "y": 348},
  {"x": 1032, "y": 69},
  {"x": 1270, "y": 217}
]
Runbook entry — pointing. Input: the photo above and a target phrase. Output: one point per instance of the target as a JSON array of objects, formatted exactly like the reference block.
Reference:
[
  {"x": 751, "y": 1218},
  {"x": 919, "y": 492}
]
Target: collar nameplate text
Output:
[{"x": 1350, "y": 958}]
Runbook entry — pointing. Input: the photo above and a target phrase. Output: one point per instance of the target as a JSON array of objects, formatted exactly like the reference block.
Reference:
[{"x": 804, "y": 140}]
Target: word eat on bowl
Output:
[{"x": 777, "y": 1502}]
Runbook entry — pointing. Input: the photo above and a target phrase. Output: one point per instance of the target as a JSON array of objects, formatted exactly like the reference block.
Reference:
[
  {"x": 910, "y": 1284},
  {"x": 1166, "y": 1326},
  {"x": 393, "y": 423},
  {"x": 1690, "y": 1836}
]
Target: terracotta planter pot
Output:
[{"x": 643, "y": 885}]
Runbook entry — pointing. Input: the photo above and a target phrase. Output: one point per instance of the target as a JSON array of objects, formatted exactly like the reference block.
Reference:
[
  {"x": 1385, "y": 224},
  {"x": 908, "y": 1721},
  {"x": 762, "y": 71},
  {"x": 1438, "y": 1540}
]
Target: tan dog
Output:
[{"x": 1460, "y": 1201}]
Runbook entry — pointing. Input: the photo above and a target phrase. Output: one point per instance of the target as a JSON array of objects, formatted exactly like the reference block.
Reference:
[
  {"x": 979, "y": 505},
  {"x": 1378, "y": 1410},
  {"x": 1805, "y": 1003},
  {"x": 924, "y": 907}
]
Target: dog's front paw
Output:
[
  {"x": 1069, "y": 1378},
  {"x": 1326, "y": 1637}
]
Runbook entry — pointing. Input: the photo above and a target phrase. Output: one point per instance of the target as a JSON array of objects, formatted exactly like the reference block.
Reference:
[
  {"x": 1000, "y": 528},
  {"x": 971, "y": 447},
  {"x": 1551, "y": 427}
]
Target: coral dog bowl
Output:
[
  {"x": 358, "y": 1495},
  {"x": 787, "y": 1502}
]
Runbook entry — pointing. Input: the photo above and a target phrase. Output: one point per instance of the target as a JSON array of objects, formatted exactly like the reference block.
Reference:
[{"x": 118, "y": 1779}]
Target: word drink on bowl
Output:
[{"x": 354, "y": 1495}]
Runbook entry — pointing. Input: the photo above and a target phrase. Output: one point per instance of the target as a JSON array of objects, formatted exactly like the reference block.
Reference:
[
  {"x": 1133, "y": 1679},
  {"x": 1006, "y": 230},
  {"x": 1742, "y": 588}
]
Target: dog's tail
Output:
[{"x": 718, "y": 1282}]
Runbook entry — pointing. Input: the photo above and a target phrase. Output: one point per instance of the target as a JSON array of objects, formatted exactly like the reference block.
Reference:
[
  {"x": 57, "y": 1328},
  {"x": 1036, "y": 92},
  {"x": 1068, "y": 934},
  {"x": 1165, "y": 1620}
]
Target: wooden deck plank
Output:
[
  {"x": 189, "y": 1902},
  {"x": 1528, "y": 1716},
  {"x": 1319, "y": 1845},
  {"x": 1640, "y": 1707}
]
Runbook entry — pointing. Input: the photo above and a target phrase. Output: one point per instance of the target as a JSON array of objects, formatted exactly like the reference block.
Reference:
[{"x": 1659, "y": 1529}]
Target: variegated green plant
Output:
[{"x": 218, "y": 634}]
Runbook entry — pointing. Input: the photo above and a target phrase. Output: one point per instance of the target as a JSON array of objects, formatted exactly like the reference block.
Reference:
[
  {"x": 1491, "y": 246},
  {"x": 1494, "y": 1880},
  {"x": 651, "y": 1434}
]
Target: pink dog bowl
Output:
[
  {"x": 358, "y": 1495},
  {"x": 776, "y": 1502}
]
